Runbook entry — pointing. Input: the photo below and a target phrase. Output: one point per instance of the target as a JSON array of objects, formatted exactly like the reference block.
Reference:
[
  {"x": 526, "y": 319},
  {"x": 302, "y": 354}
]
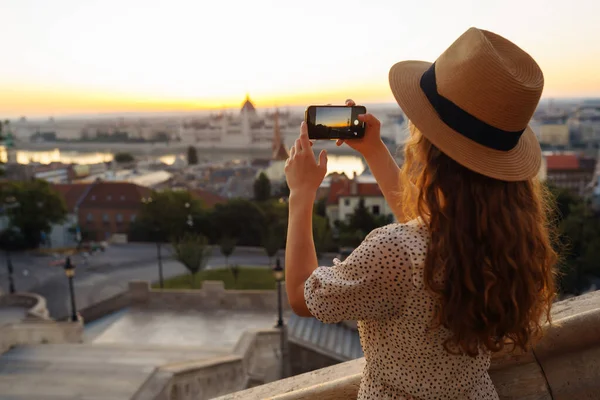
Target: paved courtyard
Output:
[{"x": 208, "y": 329}]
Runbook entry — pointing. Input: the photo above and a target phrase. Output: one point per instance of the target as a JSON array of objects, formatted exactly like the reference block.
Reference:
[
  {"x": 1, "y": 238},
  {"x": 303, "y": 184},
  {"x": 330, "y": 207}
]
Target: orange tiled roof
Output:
[
  {"x": 562, "y": 162},
  {"x": 71, "y": 193},
  {"x": 343, "y": 187},
  {"x": 110, "y": 194}
]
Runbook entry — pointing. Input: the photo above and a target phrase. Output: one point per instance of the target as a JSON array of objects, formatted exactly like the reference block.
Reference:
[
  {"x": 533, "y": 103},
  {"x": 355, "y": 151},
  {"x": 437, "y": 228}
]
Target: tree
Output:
[
  {"x": 193, "y": 252},
  {"x": 579, "y": 235},
  {"x": 235, "y": 270},
  {"x": 227, "y": 245},
  {"x": 272, "y": 242},
  {"x": 322, "y": 235},
  {"x": 37, "y": 208},
  {"x": 123, "y": 158},
  {"x": 360, "y": 223},
  {"x": 262, "y": 188},
  {"x": 276, "y": 217},
  {"x": 240, "y": 219},
  {"x": 321, "y": 207},
  {"x": 192, "y": 155},
  {"x": 165, "y": 215}
]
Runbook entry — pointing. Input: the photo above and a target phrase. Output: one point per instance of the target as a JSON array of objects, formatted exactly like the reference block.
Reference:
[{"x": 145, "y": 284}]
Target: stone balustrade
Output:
[
  {"x": 212, "y": 295},
  {"x": 254, "y": 361},
  {"x": 564, "y": 365},
  {"x": 36, "y": 327},
  {"x": 33, "y": 303}
]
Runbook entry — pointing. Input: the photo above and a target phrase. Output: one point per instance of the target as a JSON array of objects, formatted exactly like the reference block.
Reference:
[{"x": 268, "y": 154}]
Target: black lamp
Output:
[
  {"x": 70, "y": 272},
  {"x": 278, "y": 274}
]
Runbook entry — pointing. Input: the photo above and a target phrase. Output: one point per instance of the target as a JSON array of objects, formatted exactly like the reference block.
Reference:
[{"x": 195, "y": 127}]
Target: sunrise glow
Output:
[{"x": 70, "y": 57}]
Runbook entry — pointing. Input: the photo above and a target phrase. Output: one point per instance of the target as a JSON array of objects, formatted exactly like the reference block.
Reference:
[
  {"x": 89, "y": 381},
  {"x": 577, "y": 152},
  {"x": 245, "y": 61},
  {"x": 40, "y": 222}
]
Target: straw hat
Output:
[{"x": 474, "y": 103}]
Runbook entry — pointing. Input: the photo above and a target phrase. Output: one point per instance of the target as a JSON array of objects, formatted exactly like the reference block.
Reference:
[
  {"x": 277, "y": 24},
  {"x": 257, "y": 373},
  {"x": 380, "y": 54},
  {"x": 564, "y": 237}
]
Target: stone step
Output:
[
  {"x": 107, "y": 354},
  {"x": 70, "y": 385},
  {"x": 86, "y": 371}
]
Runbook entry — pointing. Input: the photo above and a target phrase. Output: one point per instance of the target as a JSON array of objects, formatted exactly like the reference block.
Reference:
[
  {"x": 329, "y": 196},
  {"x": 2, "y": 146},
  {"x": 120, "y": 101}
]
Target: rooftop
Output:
[{"x": 568, "y": 161}]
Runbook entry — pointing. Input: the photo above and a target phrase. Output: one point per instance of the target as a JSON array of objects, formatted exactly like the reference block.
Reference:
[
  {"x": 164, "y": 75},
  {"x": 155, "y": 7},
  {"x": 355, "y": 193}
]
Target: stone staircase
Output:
[{"x": 86, "y": 371}]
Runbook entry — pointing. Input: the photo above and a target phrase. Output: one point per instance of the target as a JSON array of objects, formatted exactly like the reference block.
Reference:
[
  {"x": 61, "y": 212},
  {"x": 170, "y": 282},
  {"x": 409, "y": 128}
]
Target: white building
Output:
[{"x": 345, "y": 194}]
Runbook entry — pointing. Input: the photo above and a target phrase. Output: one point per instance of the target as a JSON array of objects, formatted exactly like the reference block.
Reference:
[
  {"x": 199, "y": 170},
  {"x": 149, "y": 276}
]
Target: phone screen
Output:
[{"x": 335, "y": 122}]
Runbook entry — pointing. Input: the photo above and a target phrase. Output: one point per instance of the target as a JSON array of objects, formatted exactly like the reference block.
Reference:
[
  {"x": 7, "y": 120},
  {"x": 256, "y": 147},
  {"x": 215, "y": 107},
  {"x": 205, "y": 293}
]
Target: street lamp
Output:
[
  {"x": 148, "y": 202},
  {"x": 70, "y": 272},
  {"x": 9, "y": 235},
  {"x": 278, "y": 274}
]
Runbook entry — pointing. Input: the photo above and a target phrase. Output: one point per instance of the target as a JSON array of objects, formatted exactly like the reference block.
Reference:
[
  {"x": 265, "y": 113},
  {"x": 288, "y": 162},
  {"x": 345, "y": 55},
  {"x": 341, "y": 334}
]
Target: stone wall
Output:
[
  {"x": 212, "y": 295},
  {"x": 304, "y": 359},
  {"x": 255, "y": 359},
  {"x": 36, "y": 327},
  {"x": 35, "y": 304},
  {"x": 105, "y": 307},
  {"x": 564, "y": 365},
  {"x": 41, "y": 332},
  {"x": 31, "y": 332}
]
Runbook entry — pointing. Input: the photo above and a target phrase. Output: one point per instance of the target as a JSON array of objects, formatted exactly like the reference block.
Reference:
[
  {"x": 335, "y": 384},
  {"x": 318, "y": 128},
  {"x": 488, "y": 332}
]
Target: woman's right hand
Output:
[{"x": 369, "y": 143}]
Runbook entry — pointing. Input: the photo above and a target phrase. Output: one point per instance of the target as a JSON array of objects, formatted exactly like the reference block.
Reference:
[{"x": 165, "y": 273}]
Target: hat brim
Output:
[{"x": 518, "y": 164}]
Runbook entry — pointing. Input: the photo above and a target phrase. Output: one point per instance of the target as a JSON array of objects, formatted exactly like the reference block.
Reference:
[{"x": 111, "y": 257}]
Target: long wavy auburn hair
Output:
[{"x": 490, "y": 259}]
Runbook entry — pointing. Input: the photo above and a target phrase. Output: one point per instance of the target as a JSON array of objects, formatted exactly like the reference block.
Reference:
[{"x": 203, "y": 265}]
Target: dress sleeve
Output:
[{"x": 370, "y": 284}]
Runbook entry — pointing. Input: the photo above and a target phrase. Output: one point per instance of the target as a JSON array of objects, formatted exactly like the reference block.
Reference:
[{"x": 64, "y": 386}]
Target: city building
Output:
[
  {"x": 552, "y": 130},
  {"x": 103, "y": 209},
  {"x": 585, "y": 125},
  {"x": 570, "y": 171},
  {"x": 345, "y": 194},
  {"x": 275, "y": 171}
]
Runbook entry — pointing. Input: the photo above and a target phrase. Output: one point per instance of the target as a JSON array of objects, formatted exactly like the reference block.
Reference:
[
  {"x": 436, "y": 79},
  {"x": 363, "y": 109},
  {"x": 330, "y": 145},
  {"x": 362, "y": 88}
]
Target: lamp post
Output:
[
  {"x": 278, "y": 274},
  {"x": 9, "y": 203},
  {"x": 70, "y": 272},
  {"x": 148, "y": 202},
  {"x": 9, "y": 267}
]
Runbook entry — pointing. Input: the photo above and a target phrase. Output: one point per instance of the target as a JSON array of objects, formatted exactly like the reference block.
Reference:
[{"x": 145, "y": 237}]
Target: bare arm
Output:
[
  {"x": 387, "y": 174},
  {"x": 380, "y": 161},
  {"x": 300, "y": 253},
  {"x": 304, "y": 175}
]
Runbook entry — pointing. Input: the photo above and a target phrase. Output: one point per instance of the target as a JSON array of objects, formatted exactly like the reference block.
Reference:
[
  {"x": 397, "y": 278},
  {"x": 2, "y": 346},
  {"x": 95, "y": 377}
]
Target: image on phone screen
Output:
[{"x": 334, "y": 122}]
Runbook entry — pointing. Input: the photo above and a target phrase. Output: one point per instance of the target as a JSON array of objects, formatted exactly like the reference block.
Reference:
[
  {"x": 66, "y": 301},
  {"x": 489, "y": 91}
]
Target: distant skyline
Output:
[{"x": 69, "y": 57}]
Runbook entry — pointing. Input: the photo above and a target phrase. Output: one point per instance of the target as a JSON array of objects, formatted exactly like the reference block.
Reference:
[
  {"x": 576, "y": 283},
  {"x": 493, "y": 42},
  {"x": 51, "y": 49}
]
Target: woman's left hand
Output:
[{"x": 303, "y": 173}]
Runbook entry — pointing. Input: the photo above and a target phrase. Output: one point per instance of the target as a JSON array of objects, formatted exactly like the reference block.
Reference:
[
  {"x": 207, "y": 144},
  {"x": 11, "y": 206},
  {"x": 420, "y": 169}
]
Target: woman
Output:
[{"x": 470, "y": 269}]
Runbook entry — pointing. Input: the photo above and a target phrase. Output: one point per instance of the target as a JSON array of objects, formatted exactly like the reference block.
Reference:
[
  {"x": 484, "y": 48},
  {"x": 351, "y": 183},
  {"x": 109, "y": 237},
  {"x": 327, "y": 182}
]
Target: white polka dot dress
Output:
[{"x": 381, "y": 285}]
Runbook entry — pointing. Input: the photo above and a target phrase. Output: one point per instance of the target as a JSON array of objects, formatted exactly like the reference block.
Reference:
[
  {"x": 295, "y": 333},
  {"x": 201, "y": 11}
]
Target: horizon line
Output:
[{"x": 149, "y": 113}]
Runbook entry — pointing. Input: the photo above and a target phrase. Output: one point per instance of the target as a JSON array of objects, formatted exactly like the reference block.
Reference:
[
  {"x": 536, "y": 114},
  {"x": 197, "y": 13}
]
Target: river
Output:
[{"x": 347, "y": 164}]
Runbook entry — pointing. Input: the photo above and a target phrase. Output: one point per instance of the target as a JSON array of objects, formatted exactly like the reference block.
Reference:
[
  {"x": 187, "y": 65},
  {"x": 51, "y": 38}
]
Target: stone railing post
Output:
[{"x": 139, "y": 292}]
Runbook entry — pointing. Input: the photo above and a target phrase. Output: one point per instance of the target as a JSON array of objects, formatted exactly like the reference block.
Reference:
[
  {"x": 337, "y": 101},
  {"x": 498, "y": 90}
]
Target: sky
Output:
[
  {"x": 64, "y": 57},
  {"x": 333, "y": 117}
]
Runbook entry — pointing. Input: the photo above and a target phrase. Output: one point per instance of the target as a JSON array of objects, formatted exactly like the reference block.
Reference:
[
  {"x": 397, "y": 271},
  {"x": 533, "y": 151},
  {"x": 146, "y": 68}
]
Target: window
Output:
[
  {"x": 105, "y": 218},
  {"x": 119, "y": 218},
  {"x": 89, "y": 217},
  {"x": 376, "y": 210},
  {"x": 346, "y": 202},
  {"x": 109, "y": 197},
  {"x": 132, "y": 218}
]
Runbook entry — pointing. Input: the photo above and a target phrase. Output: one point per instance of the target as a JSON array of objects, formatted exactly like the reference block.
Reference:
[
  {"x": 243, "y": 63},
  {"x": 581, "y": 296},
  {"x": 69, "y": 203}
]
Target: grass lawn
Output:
[{"x": 249, "y": 278}]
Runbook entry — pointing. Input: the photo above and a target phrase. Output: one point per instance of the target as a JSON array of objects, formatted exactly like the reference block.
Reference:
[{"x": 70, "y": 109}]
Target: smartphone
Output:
[{"x": 335, "y": 122}]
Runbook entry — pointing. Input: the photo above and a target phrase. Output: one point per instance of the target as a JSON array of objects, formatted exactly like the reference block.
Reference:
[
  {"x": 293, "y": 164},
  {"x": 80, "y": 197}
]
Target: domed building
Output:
[{"x": 248, "y": 107}]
